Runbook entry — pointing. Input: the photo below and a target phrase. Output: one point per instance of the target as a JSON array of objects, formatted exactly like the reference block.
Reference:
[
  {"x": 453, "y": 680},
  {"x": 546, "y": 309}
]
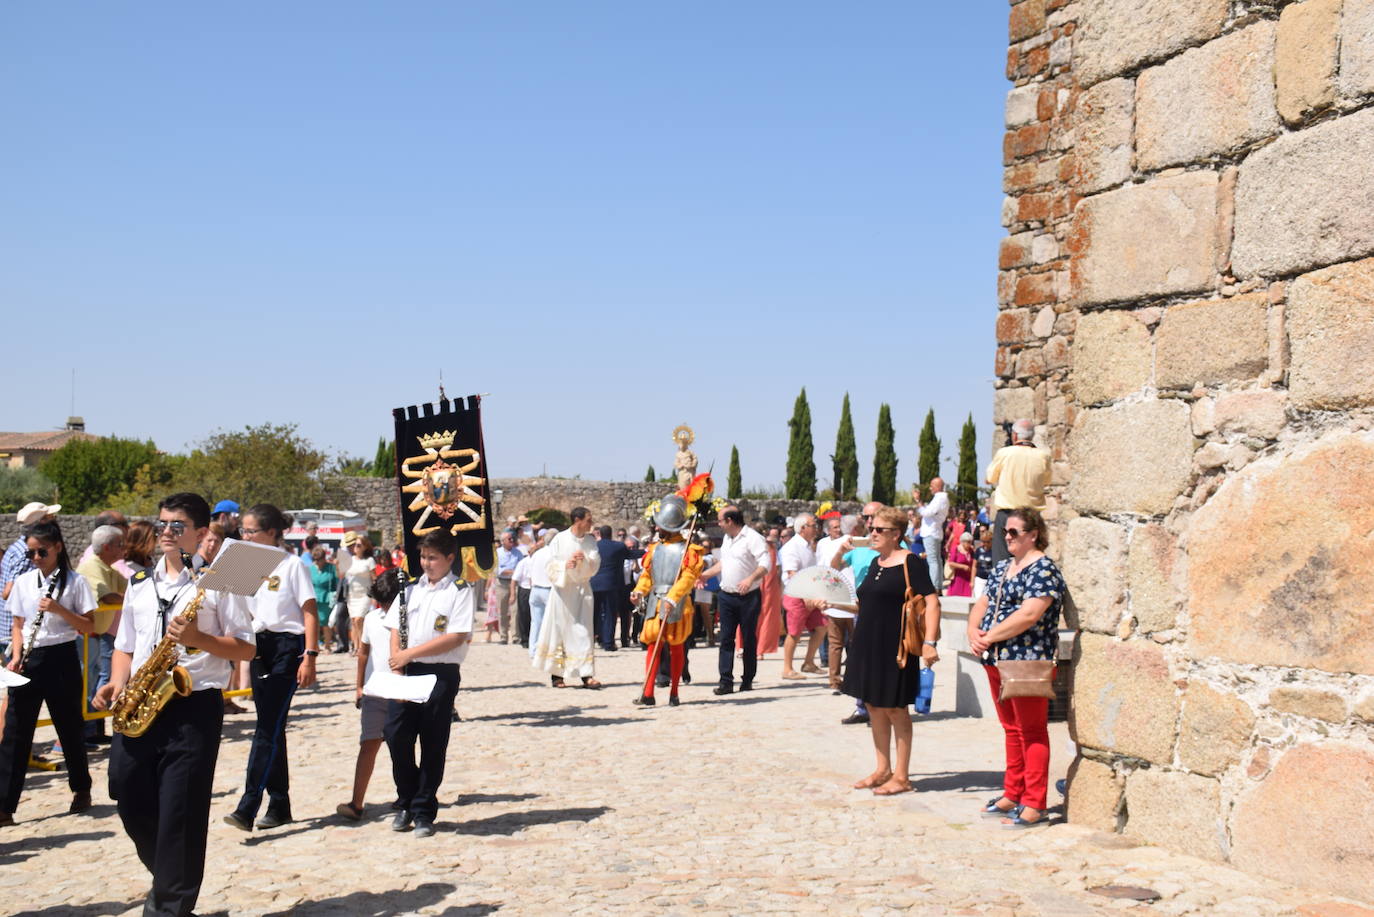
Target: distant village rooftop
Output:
[{"x": 19, "y": 450}]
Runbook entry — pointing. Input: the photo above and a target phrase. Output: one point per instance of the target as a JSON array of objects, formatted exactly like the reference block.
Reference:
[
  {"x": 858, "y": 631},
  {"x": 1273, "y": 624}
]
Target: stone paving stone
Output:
[{"x": 575, "y": 802}]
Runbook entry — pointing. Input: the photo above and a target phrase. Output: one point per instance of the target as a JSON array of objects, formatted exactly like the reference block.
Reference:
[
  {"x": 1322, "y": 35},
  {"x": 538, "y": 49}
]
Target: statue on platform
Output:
[{"x": 685, "y": 464}]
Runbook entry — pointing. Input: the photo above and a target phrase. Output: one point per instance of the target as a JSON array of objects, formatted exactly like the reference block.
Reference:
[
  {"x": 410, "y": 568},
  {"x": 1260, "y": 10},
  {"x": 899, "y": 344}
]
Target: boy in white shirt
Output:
[
  {"x": 439, "y": 613},
  {"x": 374, "y": 650}
]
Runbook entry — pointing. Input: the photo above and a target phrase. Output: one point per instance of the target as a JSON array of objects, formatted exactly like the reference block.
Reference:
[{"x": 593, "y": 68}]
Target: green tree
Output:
[
  {"x": 801, "y": 461},
  {"x": 928, "y": 460},
  {"x": 270, "y": 463},
  {"x": 22, "y": 485},
  {"x": 885, "y": 459},
  {"x": 87, "y": 471},
  {"x": 846, "y": 458},
  {"x": 384, "y": 462},
  {"x": 651, "y": 476},
  {"x": 967, "y": 486},
  {"x": 733, "y": 486},
  {"x": 547, "y": 515},
  {"x": 151, "y": 483}
]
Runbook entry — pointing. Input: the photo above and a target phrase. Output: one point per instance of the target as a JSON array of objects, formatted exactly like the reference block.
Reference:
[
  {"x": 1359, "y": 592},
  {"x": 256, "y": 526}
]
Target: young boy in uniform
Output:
[
  {"x": 439, "y": 615},
  {"x": 162, "y": 779},
  {"x": 374, "y": 644}
]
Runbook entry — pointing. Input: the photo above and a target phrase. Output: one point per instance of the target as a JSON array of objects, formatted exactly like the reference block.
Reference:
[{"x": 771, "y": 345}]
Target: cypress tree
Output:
[
  {"x": 967, "y": 488},
  {"x": 733, "y": 487},
  {"x": 649, "y": 476},
  {"x": 801, "y": 461},
  {"x": 846, "y": 457},
  {"x": 384, "y": 462},
  {"x": 885, "y": 459},
  {"x": 928, "y": 462}
]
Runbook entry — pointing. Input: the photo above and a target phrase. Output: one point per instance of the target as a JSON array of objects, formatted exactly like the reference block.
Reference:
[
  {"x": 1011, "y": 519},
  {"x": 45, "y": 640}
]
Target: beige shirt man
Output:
[{"x": 1021, "y": 471}]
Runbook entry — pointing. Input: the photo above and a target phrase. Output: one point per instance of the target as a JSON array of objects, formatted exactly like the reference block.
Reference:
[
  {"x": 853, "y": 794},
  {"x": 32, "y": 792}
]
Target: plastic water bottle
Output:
[{"x": 927, "y": 687}]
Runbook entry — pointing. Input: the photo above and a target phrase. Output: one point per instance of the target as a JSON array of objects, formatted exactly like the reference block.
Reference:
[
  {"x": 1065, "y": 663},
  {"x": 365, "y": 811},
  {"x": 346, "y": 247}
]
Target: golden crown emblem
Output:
[{"x": 438, "y": 440}]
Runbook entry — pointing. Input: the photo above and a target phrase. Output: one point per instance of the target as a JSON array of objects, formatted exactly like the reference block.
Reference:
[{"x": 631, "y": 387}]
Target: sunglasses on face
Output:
[
  {"x": 1013, "y": 533},
  {"x": 177, "y": 528},
  {"x": 39, "y": 553},
  {"x": 882, "y": 528}
]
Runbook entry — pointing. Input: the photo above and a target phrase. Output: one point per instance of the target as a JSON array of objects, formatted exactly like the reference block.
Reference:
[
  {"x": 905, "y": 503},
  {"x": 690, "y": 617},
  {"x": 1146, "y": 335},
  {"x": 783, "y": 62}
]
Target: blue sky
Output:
[{"x": 614, "y": 217}]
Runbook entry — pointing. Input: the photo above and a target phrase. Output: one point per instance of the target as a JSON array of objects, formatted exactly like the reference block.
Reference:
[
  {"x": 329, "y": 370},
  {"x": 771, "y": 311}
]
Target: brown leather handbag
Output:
[
  {"x": 913, "y": 622},
  {"x": 1022, "y": 677}
]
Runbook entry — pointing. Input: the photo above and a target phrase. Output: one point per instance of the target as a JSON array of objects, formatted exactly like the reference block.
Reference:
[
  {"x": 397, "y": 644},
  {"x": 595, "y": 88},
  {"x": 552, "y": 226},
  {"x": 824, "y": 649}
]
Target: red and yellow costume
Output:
[{"x": 678, "y": 626}]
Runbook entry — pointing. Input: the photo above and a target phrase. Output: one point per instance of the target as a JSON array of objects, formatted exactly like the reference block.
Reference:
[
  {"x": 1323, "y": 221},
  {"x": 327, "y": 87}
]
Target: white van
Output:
[{"x": 330, "y": 526}]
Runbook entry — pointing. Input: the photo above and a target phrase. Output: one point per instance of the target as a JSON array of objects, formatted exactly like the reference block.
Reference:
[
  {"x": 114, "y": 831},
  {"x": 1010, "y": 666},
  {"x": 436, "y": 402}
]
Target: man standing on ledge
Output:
[
  {"x": 1021, "y": 472},
  {"x": 564, "y": 649}
]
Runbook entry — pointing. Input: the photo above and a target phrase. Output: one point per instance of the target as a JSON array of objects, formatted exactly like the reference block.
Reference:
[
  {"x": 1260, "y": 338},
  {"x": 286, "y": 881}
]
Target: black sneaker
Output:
[
  {"x": 673, "y": 701},
  {"x": 80, "y": 802},
  {"x": 402, "y": 821},
  {"x": 424, "y": 827},
  {"x": 746, "y": 686},
  {"x": 272, "y": 819},
  {"x": 722, "y": 689},
  {"x": 239, "y": 821}
]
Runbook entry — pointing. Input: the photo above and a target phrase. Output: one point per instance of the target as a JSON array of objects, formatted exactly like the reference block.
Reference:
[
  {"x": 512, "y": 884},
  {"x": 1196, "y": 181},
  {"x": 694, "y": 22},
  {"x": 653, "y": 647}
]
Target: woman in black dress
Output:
[{"x": 873, "y": 675}]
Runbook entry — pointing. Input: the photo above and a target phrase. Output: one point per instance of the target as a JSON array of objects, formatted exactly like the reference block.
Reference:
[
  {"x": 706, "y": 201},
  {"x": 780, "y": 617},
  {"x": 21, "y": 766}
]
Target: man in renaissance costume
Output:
[
  {"x": 564, "y": 649},
  {"x": 671, "y": 568}
]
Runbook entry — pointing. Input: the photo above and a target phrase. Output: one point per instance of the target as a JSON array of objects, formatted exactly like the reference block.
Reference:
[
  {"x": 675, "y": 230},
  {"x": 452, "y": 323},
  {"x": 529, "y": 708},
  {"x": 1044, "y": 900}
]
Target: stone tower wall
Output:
[{"x": 1186, "y": 309}]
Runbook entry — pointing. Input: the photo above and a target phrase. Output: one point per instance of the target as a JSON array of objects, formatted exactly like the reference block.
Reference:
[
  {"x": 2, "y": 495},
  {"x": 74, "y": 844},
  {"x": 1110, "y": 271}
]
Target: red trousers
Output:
[
  {"x": 676, "y": 660},
  {"x": 1025, "y": 720}
]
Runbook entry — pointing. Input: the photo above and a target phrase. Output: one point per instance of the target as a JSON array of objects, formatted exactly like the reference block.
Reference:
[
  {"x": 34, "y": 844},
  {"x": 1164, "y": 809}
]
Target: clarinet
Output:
[
  {"x": 403, "y": 628},
  {"x": 58, "y": 576}
]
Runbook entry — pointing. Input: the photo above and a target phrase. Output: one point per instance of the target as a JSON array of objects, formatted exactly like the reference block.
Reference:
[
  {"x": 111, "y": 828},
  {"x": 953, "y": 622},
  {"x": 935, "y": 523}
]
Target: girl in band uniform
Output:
[
  {"x": 64, "y": 601},
  {"x": 287, "y": 637},
  {"x": 439, "y": 619}
]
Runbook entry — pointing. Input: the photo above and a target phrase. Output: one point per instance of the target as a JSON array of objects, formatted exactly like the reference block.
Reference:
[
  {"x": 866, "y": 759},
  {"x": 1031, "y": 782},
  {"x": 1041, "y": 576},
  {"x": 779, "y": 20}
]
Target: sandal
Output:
[
  {"x": 872, "y": 781},
  {"x": 993, "y": 809},
  {"x": 884, "y": 790},
  {"x": 592, "y": 683},
  {"x": 558, "y": 682},
  {"x": 794, "y": 676},
  {"x": 1017, "y": 822}
]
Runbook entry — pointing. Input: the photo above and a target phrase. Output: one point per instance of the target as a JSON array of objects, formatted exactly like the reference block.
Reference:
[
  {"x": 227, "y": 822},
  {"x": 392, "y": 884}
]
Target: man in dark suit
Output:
[{"x": 607, "y": 586}]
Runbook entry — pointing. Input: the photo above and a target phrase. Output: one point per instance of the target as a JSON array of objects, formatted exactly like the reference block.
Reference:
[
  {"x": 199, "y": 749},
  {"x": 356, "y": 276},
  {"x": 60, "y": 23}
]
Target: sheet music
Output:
[{"x": 240, "y": 567}]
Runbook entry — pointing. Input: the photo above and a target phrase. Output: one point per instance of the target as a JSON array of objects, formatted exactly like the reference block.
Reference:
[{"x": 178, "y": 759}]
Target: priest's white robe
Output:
[{"x": 565, "y": 639}]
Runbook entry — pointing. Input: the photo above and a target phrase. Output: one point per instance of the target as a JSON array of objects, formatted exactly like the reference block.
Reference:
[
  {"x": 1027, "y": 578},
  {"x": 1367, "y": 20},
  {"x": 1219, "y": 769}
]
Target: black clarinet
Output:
[
  {"x": 59, "y": 575},
  {"x": 403, "y": 626}
]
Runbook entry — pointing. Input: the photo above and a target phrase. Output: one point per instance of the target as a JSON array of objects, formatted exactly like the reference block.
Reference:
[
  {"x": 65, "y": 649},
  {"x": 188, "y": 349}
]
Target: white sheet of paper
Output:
[
  {"x": 838, "y": 613},
  {"x": 10, "y": 679},
  {"x": 241, "y": 566},
  {"x": 391, "y": 686}
]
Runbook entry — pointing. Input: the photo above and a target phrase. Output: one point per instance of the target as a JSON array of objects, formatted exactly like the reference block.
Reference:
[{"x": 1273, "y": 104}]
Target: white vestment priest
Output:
[{"x": 565, "y": 642}]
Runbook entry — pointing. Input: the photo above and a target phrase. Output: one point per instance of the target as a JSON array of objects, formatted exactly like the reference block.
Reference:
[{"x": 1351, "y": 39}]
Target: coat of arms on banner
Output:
[{"x": 441, "y": 471}]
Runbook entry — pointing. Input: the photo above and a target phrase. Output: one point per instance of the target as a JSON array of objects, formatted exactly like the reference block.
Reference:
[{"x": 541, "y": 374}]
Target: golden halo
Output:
[{"x": 682, "y": 428}]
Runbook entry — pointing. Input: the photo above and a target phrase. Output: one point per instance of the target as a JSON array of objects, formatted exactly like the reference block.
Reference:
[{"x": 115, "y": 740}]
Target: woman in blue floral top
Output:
[{"x": 1017, "y": 617}]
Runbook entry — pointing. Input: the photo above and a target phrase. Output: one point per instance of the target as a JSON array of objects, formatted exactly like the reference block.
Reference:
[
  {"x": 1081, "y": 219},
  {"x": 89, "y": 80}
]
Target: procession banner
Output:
[{"x": 441, "y": 468}]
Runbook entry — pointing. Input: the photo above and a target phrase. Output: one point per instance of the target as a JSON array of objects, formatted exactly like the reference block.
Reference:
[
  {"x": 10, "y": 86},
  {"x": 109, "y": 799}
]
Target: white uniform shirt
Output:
[
  {"x": 826, "y": 549},
  {"x": 740, "y": 556},
  {"x": 933, "y": 516},
  {"x": 435, "y": 609},
  {"x": 29, "y": 588},
  {"x": 378, "y": 640},
  {"x": 277, "y": 605},
  {"x": 539, "y": 574},
  {"x": 222, "y": 614},
  {"x": 522, "y": 573},
  {"x": 795, "y": 555}
]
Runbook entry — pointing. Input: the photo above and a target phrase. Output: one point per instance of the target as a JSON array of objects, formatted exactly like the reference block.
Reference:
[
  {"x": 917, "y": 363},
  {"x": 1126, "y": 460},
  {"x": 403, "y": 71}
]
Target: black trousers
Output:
[
  {"x": 739, "y": 611},
  {"x": 522, "y": 614},
  {"x": 999, "y": 539},
  {"x": 417, "y": 787},
  {"x": 607, "y": 606},
  {"x": 273, "y": 671},
  {"x": 55, "y": 677},
  {"x": 162, "y": 782},
  {"x": 629, "y": 635}
]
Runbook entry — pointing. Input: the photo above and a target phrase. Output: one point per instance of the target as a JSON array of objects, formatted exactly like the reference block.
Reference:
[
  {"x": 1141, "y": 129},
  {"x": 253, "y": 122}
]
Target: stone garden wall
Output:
[{"x": 1186, "y": 301}]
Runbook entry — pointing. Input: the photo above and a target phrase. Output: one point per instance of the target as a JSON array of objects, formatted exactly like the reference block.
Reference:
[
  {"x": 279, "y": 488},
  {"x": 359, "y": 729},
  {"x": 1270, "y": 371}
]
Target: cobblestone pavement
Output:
[{"x": 575, "y": 802}]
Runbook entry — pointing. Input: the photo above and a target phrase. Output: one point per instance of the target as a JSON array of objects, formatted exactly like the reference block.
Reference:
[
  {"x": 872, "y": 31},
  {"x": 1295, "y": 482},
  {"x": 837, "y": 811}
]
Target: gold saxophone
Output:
[{"x": 155, "y": 682}]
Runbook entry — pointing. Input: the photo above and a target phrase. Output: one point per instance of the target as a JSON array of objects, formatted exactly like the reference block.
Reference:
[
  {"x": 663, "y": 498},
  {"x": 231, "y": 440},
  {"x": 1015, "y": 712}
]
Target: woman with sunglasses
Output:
[
  {"x": 51, "y": 605},
  {"x": 287, "y": 632},
  {"x": 1017, "y": 617},
  {"x": 873, "y": 675}
]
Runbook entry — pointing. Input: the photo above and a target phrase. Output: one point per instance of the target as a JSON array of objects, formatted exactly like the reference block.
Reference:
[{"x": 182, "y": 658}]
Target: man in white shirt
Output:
[
  {"x": 797, "y": 554},
  {"x": 933, "y": 515},
  {"x": 834, "y": 534},
  {"x": 743, "y": 563},
  {"x": 540, "y": 586}
]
